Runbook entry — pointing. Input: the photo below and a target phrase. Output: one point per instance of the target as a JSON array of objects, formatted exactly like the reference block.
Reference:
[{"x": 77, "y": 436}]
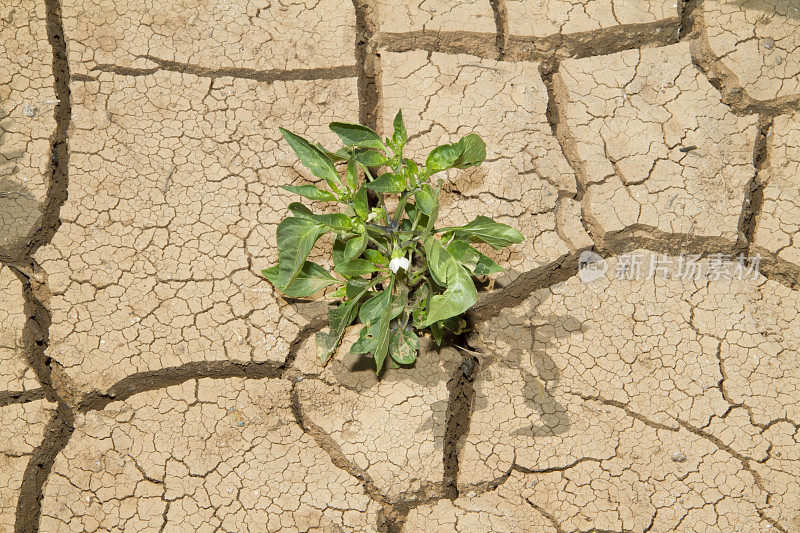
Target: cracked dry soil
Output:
[{"x": 151, "y": 381}]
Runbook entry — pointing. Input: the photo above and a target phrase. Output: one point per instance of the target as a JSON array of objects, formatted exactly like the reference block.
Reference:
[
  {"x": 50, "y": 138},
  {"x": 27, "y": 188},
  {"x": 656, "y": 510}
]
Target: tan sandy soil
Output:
[{"x": 151, "y": 380}]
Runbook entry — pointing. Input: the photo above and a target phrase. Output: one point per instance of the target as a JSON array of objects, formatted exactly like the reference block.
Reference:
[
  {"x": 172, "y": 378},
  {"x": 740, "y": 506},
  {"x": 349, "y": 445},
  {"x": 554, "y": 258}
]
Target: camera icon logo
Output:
[{"x": 591, "y": 266}]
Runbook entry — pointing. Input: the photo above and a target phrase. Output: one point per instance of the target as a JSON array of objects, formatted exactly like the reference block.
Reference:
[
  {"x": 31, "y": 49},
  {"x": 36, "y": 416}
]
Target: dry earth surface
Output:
[{"x": 150, "y": 380}]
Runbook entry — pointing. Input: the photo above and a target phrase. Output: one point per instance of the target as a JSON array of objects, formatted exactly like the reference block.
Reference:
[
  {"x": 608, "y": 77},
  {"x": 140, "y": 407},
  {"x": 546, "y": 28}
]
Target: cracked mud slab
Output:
[
  {"x": 653, "y": 144},
  {"x": 15, "y": 374},
  {"x": 21, "y": 430},
  {"x": 164, "y": 269},
  {"x": 393, "y": 429},
  {"x": 27, "y": 100},
  {"x": 211, "y": 34},
  {"x": 541, "y": 18},
  {"x": 778, "y": 224},
  {"x": 525, "y": 176},
  {"x": 661, "y": 401},
  {"x": 758, "y": 43},
  {"x": 222, "y": 455},
  {"x": 434, "y": 15}
]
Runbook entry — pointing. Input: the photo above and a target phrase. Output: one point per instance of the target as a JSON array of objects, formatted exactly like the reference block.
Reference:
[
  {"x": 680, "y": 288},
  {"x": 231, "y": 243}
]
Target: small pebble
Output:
[
  {"x": 678, "y": 457},
  {"x": 29, "y": 110},
  {"x": 768, "y": 43}
]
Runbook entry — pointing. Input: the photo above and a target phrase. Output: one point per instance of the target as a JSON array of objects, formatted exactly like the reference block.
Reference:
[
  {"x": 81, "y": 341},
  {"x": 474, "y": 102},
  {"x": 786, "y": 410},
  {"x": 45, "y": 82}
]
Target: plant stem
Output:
[
  {"x": 380, "y": 196},
  {"x": 398, "y": 214}
]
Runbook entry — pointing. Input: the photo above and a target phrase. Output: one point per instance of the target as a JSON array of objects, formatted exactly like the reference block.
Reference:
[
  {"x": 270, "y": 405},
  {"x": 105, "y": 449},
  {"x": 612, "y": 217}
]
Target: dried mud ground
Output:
[{"x": 152, "y": 381}]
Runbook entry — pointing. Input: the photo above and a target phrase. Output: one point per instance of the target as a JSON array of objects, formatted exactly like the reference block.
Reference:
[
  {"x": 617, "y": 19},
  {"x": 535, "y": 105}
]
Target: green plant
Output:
[{"x": 400, "y": 274}]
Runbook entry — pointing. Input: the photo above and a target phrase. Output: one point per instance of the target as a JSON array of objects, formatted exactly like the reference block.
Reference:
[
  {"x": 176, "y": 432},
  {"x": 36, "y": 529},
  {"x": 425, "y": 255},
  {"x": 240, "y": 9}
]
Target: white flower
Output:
[{"x": 399, "y": 262}]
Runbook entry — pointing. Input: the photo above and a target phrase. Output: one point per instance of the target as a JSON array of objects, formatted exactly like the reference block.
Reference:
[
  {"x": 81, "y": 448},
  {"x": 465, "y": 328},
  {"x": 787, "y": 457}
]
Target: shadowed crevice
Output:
[
  {"x": 35, "y": 338},
  {"x": 55, "y": 439},
  {"x": 635, "y": 237},
  {"x": 775, "y": 268},
  {"x": 491, "y": 304},
  {"x": 725, "y": 80},
  {"x": 501, "y": 23},
  {"x": 58, "y": 166},
  {"x": 162, "y": 378},
  {"x": 754, "y": 193},
  {"x": 167, "y": 377},
  {"x": 547, "y": 49},
  {"x": 594, "y": 43},
  {"x": 461, "y": 389},
  {"x": 368, "y": 64},
  {"x": 18, "y": 397},
  {"x": 266, "y": 76},
  {"x": 687, "y": 11},
  {"x": 479, "y": 44}
]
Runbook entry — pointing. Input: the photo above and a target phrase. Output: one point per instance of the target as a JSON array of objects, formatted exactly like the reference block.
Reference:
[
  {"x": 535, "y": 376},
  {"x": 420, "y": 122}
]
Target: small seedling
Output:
[{"x": 398, "y": 273}]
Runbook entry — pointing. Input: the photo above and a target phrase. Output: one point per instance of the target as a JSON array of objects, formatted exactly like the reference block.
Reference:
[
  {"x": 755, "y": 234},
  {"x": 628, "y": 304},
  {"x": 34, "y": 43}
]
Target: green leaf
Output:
[
  {"x": 374, "y": 256},
  {"x": 469, "y": 151},
  {"x": 442, "y": 157},
  {"x": 425, "y": 200},
  {"x": 342, "y": 154},
  {"x": 341, "y": 292},
  {"x": 312, "y": 157},
  {"x": 441, "y": 264},
  {"x": 412, "y": 210},
  {"x": 371, "y": 159},
  {"x": 357, "y": 135},
  {"x": 273, "y": 275},
  {"x": 485, "y": 229},
  {"x": 336, "y": 221},
  {"x": 458, "y": 298},
  {"x": 438, "y": 333},
  {"x": 456, "y": 324},
  {"x": 472, "y": 259},
  {"x": 337, "y": 251},
  {"x": 356, "y": 267},
  {"x": 400, "y": 135},
  {"x": 404, "y": 346},
  {"x": 352, "y": 174},
  {"x": 364, "y": 344},
  {"x": 355, "y": 247},
  {"x": 311, "y": 278},
  {"x": 360, "y": 202},
  {"x": 460, "y": 294},
  {"x": 296, "y": 237},
  {"x": 310, "y": 191},
  {"x": 432, "y": 217},
  {"x": 375, "y": 307},
  {"x": 388, "y": 183},
  {"x": 339, "y": 318},
  {"x": 356, "y": 285},
  {"x": 473, "y": 151},
  {"x": 382, "y": 346}
]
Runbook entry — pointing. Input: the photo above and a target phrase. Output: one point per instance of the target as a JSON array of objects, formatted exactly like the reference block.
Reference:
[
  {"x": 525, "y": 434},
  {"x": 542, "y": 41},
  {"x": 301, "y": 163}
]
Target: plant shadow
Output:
[
  {"x": 540, "y": 382},
  {"x": 20, "y": 211}
]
